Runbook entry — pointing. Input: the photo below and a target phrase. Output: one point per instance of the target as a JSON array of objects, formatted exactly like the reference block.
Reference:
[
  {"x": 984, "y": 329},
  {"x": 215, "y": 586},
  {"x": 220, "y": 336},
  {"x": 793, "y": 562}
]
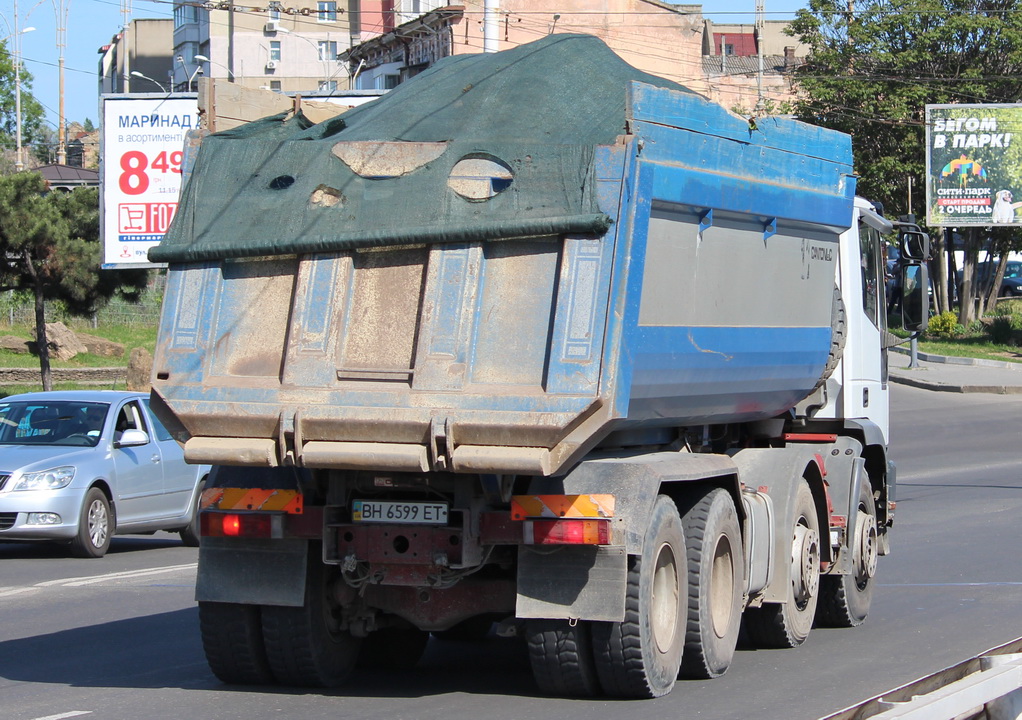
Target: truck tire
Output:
[
  {"x": 640, "y": 657},
  {"x": 232, "y": 638},
  {"x": 95, "y": 526},
  {"x": 304, "y": 645},
  {"x": 393, "y": 649},
  {"x": 845, "y": 599},
  {"x": 716, "y": 584},
  {"x": 787, "y": 624},
  {"x": 561, "y": 656}
]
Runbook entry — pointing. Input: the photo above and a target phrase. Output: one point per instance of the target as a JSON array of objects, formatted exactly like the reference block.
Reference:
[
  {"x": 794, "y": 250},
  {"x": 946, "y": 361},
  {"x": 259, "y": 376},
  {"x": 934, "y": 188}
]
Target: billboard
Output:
[
  {"x": 973, "y": 165},
  {"x": 142, "y": 146}
]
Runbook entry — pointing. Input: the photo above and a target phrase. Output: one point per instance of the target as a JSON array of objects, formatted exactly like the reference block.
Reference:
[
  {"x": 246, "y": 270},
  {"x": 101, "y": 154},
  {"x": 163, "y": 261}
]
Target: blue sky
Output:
[{"x": 92, "y": 23}]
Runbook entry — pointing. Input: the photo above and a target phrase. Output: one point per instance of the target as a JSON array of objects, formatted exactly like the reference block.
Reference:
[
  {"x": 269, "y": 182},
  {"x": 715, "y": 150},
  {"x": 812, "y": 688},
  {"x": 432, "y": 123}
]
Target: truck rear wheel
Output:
[
  {"x": 232, "y": 638},
  {"x": 787, "y": 624},
  {"x": 305, "y": 645},
  {"x": 716, "y": 585},
  {"x": 845, "y": 599},
  {"x": 562, "y": 659},
  {"x": 640, "y": 657}
]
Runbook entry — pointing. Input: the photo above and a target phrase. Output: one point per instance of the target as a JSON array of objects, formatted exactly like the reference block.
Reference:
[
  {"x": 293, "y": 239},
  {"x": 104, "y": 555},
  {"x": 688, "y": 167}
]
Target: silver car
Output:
[{"x": 82, "y": 466}]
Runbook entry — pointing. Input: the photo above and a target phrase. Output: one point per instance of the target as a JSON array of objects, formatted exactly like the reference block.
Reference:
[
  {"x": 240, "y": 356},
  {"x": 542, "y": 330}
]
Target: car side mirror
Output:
[
  {"x": 915, "y": 298},
  {"x": 131, "y": 438},
  {"x": 914, "y": 244}
]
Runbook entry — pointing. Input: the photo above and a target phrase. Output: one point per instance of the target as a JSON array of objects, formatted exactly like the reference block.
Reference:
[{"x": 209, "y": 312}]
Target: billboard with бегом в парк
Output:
[
  {"x": 143, "y": 145},
  {"x": 974, "y": 165}
]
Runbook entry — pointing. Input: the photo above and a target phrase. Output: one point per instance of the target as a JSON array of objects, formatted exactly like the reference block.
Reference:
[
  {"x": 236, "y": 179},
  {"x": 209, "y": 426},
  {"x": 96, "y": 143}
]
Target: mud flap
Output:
[
  {"x": 252, "y": 572},
  {"x": 582, "y": 583}
]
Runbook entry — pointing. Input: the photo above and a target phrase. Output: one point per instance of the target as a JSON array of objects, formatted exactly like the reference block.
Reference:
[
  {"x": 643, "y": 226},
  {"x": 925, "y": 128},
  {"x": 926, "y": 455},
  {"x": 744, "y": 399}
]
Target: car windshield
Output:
[{"x": 52, "y": 422}]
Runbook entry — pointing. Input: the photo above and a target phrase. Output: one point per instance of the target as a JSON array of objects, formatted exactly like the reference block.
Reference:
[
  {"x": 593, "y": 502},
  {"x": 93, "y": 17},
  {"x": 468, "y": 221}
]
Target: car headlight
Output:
[{"x": 52, "y": 479}]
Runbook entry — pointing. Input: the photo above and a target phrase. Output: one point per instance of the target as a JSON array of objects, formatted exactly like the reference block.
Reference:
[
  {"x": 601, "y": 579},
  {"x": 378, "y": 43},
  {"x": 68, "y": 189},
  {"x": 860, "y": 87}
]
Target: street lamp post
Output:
[
  {"x": 137, "y": 74},
  {"x": 198, "y": 71},
  {"x": 203, "y": 58},
  {"x": 19, "y": 163}
]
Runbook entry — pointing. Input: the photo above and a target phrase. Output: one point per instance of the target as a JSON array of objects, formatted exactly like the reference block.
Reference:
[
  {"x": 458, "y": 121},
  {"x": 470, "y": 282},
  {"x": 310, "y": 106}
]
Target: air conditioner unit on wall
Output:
[
  {"x": 271, "y": 64},
  {"x": 271, "y": 27}
]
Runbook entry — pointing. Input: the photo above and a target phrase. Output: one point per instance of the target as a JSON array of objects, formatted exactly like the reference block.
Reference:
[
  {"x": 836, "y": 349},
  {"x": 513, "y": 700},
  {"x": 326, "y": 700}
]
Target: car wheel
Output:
[
  {"x": 191, "y": 533},
  {"x": 95, "y": 526}
]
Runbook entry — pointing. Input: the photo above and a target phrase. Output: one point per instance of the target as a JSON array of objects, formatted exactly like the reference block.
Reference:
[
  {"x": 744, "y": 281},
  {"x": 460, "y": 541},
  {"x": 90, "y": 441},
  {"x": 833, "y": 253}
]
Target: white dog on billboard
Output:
[{"x": 1004, "y": 208}]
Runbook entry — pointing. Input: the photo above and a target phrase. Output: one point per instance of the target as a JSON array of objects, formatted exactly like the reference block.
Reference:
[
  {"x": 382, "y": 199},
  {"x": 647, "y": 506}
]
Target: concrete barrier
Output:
[{"x": 82, "y": 376}]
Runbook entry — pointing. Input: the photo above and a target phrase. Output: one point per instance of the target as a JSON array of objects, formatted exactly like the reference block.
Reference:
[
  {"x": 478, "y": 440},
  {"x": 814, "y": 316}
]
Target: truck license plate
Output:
[{"x": 378, "y": 511}]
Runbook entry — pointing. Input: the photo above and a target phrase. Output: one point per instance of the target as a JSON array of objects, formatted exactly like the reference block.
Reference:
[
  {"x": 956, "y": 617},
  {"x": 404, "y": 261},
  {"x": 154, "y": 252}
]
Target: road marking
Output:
[
  {"x": 62, "y": 716},
  {"x": 95, "y": 579},
  {"x": 127, "y": 574}
]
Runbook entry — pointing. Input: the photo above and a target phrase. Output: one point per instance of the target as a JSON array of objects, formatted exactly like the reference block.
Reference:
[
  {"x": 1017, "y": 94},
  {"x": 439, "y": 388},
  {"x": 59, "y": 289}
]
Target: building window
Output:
[
  {"x": 327, "y": 50},
  {"x": 275, "y": 50},
  {"x": 275, "y": 85},
  {"x": 328, "y": 86},
  {"x": 185, "y": 14},
  {"x": 273, "y": 11},
  {"x": 327, "y": 11}
]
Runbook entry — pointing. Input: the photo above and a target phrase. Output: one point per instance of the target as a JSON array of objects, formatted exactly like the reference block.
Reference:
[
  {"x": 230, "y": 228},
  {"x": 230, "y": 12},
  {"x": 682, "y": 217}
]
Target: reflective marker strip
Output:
[
  {"x": 289, "y": 501},
  {"x": 562, "y": 506}
]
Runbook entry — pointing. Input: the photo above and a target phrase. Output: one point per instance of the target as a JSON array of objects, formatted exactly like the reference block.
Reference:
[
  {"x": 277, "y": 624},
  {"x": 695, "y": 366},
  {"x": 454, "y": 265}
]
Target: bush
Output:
[
  {"x": 945, "y": 326},
  {"x": 1000, "y": 330}
]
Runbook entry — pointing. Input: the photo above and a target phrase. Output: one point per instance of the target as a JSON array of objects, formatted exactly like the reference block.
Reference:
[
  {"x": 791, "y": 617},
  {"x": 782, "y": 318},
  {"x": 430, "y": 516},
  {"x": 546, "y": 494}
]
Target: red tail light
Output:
[
  {"x": 567, "y": 532},
  {"x": 254, "y": 525}
]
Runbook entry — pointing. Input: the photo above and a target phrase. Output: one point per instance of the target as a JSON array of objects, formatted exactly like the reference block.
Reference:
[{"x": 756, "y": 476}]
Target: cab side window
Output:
[
  {"x": 129, "y": 417},
  {"x": 869, "y": 254}
]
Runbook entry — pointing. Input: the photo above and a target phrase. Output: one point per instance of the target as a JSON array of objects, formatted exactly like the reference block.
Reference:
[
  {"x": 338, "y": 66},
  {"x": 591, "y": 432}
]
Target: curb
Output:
[
  {"x": 952, "y": 360},
  {"x": 896, "y": 376},
  {"x": 944, "y": 387}
]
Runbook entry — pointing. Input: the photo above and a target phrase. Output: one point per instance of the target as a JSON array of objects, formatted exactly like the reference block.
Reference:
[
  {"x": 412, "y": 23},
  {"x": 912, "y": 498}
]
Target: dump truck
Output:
[{"x": 535, "y": 339}]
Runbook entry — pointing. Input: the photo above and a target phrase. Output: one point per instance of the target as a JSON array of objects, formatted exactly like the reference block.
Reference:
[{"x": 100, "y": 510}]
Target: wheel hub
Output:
[
  {"x": 97, "y": 522},
  {"x": 722, "y": 587},
  {"x": 666, "y": 596},
  {"x": 805, "y": 563},
  {"x": 866, "y": 548}
]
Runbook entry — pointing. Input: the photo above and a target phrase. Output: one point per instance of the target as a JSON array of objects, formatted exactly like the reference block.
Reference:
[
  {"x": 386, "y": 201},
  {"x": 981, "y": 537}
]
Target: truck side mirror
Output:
[
  {"x": 915, "y": 245},
  {"x": 915, "y": 298}
]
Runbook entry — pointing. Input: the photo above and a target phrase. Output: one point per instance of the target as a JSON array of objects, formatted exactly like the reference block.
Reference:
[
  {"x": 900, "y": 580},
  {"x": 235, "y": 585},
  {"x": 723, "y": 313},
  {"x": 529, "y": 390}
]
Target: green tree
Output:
[
  {"x": 31, "y": 111},
  {"x": 49, "y": 246},
  {"x": 873, "y": 66}
]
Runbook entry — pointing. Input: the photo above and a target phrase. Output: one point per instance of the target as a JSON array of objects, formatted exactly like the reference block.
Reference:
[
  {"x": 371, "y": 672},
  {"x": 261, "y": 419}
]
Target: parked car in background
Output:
[
  {"x": 82, "y": 466},
  {"x": 1011, "y": 285}
]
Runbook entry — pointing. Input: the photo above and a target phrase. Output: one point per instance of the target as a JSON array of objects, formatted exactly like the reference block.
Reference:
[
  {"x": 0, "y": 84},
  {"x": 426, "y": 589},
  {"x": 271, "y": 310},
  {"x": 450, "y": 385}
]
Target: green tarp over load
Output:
[{"x": 477, "y": 147}]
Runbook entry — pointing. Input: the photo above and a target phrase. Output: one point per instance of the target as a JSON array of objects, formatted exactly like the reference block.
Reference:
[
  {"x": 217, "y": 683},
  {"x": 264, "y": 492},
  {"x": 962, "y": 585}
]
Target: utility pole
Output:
[
  {"x": 760, "y": 27},
  {"x": 19, "y": 163},
  {"x": 230, "y": 42},
  {"x": 60, "y": 9},
  {"x": 491, "y": 25}
]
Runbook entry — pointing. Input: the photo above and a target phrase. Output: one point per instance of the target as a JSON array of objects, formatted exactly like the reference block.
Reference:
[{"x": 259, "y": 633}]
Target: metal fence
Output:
[{"x": 16, "y": 309}]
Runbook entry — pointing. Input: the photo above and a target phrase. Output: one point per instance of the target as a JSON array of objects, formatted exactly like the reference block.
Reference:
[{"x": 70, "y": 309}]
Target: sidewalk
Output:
[{"x": 954, "y": 374}]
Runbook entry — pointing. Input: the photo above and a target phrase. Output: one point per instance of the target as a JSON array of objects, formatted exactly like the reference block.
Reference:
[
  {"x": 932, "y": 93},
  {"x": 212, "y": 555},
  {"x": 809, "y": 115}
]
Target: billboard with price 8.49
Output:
[
  {"x": 974, "y": 165},
  {"x": 143, "y": 141}
]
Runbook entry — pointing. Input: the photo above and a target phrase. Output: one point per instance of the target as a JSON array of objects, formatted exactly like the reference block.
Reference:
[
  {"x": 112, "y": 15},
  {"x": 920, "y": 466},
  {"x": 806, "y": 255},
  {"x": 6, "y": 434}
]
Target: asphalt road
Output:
[{"x": 117, "y": 638}]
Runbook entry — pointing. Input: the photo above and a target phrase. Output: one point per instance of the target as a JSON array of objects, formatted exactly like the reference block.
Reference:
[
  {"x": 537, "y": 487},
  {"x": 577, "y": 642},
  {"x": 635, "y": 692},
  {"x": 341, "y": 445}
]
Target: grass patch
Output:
[{"x": 129, "y": 336}]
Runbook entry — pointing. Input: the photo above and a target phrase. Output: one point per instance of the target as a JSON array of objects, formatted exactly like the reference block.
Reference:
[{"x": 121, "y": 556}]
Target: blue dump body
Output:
[{"x": 708, "y": 300}]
